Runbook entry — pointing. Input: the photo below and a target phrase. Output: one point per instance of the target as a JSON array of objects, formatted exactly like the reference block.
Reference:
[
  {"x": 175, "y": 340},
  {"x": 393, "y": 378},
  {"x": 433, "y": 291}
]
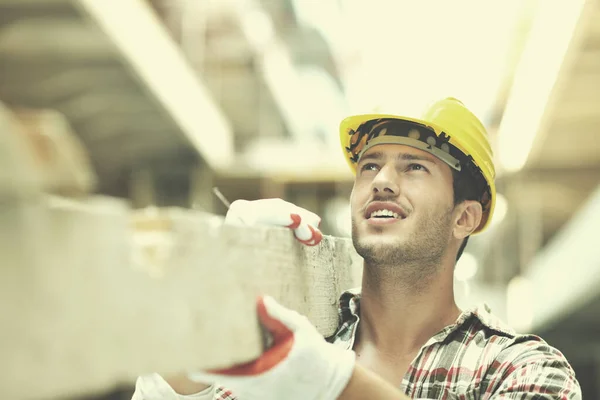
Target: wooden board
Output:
[{"x": 89, "y": 302}]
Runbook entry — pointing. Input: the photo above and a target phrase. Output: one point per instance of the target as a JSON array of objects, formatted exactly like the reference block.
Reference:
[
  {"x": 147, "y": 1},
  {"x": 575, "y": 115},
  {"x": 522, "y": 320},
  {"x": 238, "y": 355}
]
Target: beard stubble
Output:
[{"x": 415, "y": 260}]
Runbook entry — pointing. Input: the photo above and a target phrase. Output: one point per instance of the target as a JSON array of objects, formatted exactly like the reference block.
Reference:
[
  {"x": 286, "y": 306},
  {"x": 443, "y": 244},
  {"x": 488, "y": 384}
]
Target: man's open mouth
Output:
[
  {"x": 384, "y": 210},
  {"x": 384, "y": 214}
]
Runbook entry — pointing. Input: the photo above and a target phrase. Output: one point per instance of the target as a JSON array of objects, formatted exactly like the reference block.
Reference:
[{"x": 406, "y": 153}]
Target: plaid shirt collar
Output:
[
  {"x": 349, "y": 315},
  {"x": 478, "y": 356}
]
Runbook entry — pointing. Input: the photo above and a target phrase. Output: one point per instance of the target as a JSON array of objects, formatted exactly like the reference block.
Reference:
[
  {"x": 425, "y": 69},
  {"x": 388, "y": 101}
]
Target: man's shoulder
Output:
[
  {"x": 514, "y": 350},
  {"x": 476, "y": 329},
  {"x": 509, "y": 362},
  {"x": 496, "y": 332},
  {"x": 488, "y": 321}
]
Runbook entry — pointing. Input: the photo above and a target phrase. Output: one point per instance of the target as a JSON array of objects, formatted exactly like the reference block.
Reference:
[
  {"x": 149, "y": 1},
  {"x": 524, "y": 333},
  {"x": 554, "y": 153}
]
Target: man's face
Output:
[{"x": 402, "y": 203}]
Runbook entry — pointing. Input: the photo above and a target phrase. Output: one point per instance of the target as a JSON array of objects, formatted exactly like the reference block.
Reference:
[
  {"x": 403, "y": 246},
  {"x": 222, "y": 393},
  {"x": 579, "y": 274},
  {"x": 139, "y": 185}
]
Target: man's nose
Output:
[{"x": 386, "y": 181}]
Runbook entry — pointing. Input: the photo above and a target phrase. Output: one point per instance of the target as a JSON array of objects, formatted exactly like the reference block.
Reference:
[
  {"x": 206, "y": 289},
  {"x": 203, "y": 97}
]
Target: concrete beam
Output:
[
  {"x": 96, "y": 37},
  {"x": 565, "y": 275},
  {"x": 540, "y": 80},
  {"x": 38, "y": 39},
  {"x": 183, "y": 95}
]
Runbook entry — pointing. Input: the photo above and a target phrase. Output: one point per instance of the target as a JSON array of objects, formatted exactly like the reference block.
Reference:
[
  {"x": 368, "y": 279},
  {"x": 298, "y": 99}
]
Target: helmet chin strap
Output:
[{"x": 407, "y": 141}]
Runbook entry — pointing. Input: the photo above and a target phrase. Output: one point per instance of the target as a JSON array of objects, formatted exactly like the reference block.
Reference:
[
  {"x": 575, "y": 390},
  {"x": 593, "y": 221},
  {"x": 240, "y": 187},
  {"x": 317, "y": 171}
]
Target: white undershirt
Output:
[{"x": 154, "y": 387}]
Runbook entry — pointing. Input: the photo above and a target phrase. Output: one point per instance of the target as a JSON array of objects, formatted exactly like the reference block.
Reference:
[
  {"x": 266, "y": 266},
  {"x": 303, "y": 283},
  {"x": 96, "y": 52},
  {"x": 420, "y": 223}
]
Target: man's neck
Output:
[{"x": 398, "y": 316}]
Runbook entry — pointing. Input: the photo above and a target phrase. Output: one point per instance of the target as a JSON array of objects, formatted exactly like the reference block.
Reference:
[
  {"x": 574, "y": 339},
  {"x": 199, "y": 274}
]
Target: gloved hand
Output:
[
  {"x": 277, "y": 212},
  {"x": 300, "y": 365}
]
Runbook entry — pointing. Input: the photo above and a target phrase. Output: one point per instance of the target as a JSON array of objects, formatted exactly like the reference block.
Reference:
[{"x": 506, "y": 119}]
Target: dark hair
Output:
[{"x": 465, "y": 187}]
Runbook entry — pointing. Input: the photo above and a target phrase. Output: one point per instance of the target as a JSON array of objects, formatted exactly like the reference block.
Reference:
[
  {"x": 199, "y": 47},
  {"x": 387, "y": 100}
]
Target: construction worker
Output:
[{"x": 423, "y": 186}]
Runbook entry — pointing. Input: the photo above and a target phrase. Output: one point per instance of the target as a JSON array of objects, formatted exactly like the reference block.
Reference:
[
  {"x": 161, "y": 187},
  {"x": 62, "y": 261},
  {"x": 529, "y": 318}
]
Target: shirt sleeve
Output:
[
  {"x": 535, "y": 370},
  {"x": 154, "y": 387}
]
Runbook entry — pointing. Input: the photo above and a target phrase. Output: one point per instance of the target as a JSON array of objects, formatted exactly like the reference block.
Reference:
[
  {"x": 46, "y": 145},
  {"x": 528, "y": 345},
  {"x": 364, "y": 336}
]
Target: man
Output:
[{"x": 422, "y": 187}]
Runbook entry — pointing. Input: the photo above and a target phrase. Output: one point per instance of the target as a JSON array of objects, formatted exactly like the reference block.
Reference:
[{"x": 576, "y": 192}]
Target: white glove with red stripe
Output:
[
  {"x": 277, "y": 212},
  {"x": 300, "y": 365}
]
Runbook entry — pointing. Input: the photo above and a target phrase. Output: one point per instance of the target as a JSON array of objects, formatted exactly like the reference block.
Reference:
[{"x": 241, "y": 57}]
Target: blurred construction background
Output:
[{"x": 159, "y": 101}]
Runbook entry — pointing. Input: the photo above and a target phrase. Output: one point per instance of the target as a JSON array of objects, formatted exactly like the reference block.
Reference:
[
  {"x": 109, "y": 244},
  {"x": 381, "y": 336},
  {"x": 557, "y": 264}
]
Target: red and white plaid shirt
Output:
[{"x": 477, "y": 357}]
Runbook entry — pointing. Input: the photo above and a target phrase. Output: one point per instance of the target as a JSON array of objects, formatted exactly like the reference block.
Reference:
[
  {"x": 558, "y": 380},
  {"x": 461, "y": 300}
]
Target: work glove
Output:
[
  {"x": 300, "y": 364},
  {"x": 277, "y": 212}
]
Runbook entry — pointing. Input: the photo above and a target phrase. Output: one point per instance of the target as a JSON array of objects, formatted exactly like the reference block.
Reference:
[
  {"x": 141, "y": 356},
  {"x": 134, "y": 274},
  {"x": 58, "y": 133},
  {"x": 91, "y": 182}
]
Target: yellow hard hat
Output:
[{"x": 447, "y": 129}]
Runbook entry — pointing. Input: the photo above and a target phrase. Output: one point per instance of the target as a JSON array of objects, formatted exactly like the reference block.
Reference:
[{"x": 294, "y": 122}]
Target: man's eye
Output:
[
  {"x": 370, "y": 167},
  {"x": 417, "y": 167}
]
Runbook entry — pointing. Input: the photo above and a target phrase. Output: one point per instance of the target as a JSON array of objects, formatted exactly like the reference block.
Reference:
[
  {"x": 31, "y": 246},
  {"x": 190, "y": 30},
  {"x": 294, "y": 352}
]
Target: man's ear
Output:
[{"x": 467, "y": 218}]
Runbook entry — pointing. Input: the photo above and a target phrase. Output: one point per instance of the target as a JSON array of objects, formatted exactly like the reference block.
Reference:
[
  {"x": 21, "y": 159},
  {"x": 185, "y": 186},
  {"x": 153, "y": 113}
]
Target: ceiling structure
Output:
[
  {"x": 75, "y": 57},
  {"x": 558, "y": 191}
]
